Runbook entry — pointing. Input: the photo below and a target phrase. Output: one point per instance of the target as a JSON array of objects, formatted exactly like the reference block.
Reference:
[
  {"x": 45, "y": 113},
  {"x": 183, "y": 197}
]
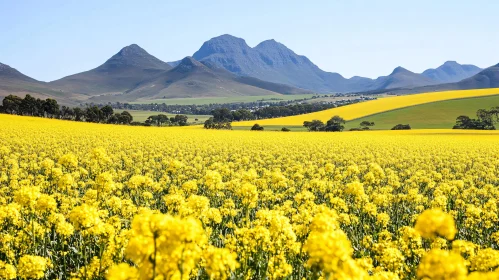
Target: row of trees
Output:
[
  {"x": 222, "y": 118},
  {"x": 30, "y": 106},
  {"x": 211, "y": 123},
  {"x": 205, "y": 109},
  {"x": 164, "y": 120},
  {"x": 268, "y": 112},
  {"x": 238, "y": 111},
  {"x": 49, "y": 108},
  {"x": 486, "y": 120},
  {"x": 335, "y": 124}
]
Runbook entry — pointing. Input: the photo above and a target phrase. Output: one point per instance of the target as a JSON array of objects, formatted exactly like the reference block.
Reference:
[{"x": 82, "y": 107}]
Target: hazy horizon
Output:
[{"x": 53, "y": 39}]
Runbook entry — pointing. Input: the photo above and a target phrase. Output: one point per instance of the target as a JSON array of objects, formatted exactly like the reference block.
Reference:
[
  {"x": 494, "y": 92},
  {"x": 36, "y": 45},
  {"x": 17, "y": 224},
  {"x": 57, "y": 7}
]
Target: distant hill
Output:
[
  {"x": 487, "y": 78},
  {"x": 451, "y": 72},
  {"x": 130, "y": 66},
  {"x": 401, "y": 78},
  {"x": 14, "y": 82},
  {"x": 9, "y": 73},
  {"x": 190, "y": 78}
]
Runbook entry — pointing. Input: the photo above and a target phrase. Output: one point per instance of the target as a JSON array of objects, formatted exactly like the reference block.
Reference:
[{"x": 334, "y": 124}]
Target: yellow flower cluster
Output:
[
  {"x": 90, "y": 201},
  {"x": 435, "y": 222}
]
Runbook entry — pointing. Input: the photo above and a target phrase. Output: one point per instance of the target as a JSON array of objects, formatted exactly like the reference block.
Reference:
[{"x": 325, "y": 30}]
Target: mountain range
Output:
[
  {"x": 487, "y": 78},
  {"x": 226, "y": 66},
  {"x": 191, "y": 78},
  {"x": 274, "y": 62}
]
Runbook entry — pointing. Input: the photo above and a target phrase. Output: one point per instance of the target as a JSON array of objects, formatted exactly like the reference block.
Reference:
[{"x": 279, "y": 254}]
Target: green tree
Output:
[
  {"x": 257, "y": 127},
  {"x": 67, "y": 113},
  {"x": 315, "y": 125},
  {"x": 181, "y": 120},
  {"x": 107, "y": 111},
  {"x": 242, "y": 115},
  {"x": 51, "y": 108},
  {"x": 79, "y": 114},
  {"x": 365, "y": 125},
  {"x": 334, "y": 124},
  {"x": 11, "y": 104},
  {"x": 93, "y": 114},
  {"x": 114, "y": 119},
  {"x": 221, "y": 115},
  {"x": 212, "y": 124},
  {"x": 465, "y": 122},
  {"x": 125, "y": 118},
  {"x": 28, "y": 106}
]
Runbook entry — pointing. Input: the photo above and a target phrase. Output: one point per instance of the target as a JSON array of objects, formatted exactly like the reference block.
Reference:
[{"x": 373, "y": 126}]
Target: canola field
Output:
[
  {"x": 91, "y": 201},
  {"x": 363, "y": 109}
]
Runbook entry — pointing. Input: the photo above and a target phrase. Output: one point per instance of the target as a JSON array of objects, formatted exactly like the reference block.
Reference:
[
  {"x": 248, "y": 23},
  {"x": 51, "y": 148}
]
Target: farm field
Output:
[
  {"x": 141, "y": 116},
  {"x": 95, "y": 201},
  {"x": 434, "y": 115},
  {"x": 363, "y": 109},
  {"x": 441, "y": 114},
  {"x": 223, "y": 100}
]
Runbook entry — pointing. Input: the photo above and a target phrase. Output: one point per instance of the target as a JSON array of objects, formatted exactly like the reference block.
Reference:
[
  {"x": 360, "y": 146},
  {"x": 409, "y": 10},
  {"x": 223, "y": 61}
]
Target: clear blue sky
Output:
[{"x": 51, "y": 39}]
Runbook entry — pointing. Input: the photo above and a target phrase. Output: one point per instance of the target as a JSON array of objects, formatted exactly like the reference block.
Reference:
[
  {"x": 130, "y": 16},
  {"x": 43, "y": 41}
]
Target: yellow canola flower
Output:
[
  {"x": 7, "y": 271},
  {"x": 219, "y": 262},
  {"x": 122, "y": 271},
  {"x": 27, "y": 196},
  {"x": 127, "y": 202},
  {"x": 485, "y": 260},
  {"x": 166, "y": 246},
  {"x": 434, "y": 223},
  {"x": 32, "y": 267},
  {"x": 69, "y": 161},
  {"x": 493, "y": 275},
  {"x": 442, "y": 265},
  {"x": 87, "y": 219},
  {"x": 330, "y": 251}
]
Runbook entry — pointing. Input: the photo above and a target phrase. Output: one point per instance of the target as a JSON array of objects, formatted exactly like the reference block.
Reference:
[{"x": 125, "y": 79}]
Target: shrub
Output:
[
  {"x": 257, "y": 127},
  {"x": 365, "y": 125},
  {"x": 401, "y": 127}
]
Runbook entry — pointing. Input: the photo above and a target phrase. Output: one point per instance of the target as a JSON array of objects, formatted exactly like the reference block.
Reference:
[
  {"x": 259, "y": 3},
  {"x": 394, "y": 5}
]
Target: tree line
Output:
[
  {"x": 258, "y": 110},
  {"x": 205, "y": 109},
  {"x": 486, "y": 120},
  {"x": 223, "y": 117},
  {"x": 225, "y": 114},
  {"x": 164, "y": 120},
  {"x": 49, "y": 108},
  {"x": 334, "y": 124}
]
